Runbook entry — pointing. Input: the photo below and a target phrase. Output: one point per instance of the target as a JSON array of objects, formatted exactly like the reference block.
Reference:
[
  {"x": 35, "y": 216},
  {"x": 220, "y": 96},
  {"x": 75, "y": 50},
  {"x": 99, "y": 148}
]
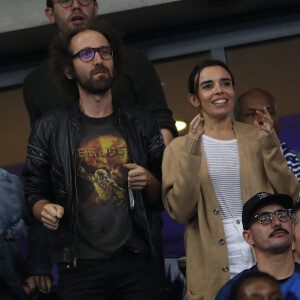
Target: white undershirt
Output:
[{"x": 223, "y": 164}]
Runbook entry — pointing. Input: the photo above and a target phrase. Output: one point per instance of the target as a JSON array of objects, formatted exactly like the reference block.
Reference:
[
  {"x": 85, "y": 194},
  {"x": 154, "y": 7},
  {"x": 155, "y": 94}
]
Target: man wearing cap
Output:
[{"x": 268, "y": 227}]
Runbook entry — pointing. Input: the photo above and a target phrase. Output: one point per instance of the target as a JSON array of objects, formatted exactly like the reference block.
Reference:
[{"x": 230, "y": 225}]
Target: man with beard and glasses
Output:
[
  {"x": 93, "y": 176},
  {"x": 269, "y": 229},
  {"x": 137, "y": 84}
]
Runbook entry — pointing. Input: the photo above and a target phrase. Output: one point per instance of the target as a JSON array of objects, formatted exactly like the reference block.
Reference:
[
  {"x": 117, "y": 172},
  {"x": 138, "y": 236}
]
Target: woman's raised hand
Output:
[
  {"x": 194, "y": 127},
  {"x": 266, "y": 125}
]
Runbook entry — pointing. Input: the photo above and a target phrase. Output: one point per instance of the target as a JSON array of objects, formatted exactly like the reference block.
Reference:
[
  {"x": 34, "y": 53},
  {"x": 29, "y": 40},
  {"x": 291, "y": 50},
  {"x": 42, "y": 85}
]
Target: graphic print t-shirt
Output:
[{"x": 103, "y": 223}]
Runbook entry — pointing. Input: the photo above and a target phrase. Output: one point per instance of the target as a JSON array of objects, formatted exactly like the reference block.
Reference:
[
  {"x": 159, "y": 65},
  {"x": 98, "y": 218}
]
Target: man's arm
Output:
[
  {"x": 30, "y": 89},
  {"x": 39, "y": 265},
  {"x": 37, "y": 173},
  {"x": 155, "y": 147},
  {"x": 139, "y": 75},
  {"x": 168, "y": 136},
  {"x": 38, "y": 274}
]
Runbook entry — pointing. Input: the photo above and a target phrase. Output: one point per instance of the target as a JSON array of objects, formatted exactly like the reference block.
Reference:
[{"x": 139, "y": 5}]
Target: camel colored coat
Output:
[{"x": 190, "y": 199}]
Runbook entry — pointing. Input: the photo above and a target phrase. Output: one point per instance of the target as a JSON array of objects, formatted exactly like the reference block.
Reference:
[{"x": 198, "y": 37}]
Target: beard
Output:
[
  {"x": 272, "y": 245},
  {"x": 93, "y": 85},
  {"x": 283, "y": 246},
  {"x": 279, "y": 249}
]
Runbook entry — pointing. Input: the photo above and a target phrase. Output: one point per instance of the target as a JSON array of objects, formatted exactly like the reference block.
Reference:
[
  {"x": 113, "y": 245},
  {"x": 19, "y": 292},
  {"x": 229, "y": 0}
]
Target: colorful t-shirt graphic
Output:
[{"x": 103, "y": 222}]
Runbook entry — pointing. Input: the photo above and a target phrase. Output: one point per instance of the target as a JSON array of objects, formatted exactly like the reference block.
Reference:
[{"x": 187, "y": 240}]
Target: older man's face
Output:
[{"x": 256, "y": 101}]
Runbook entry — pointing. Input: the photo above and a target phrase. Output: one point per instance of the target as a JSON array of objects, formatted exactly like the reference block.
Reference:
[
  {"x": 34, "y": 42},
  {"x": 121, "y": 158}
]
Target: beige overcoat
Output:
[{"x": 190, "y": 199}]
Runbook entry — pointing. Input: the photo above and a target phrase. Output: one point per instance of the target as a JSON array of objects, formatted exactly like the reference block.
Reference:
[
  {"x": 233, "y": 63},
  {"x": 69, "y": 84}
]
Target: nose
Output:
[
  {"x": 275, "y": 221},
  {"x": 97, "y": 57},
  {"x": 75, "y": 4},
  {"x": 218, "y": 89}
]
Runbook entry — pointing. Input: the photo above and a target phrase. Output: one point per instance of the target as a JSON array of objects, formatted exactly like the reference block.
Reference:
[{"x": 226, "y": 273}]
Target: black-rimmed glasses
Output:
[
  {"x": 68, "y": 3},
  {"x": 266, "y": 217},
  {"x": 88, "y": 54}
]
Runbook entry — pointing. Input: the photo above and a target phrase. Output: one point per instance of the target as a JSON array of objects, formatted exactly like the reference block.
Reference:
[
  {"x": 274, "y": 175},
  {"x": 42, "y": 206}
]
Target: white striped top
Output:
[{"x": 223, "y": 164}]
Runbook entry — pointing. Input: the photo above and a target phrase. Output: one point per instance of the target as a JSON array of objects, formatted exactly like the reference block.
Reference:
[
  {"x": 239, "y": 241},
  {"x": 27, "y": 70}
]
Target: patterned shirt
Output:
[{"x": 292, "y": 159}]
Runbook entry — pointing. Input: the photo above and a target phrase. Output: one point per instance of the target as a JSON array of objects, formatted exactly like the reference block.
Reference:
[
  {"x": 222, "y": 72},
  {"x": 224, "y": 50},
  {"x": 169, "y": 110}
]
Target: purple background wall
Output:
[{"x": 289, "y": 131}]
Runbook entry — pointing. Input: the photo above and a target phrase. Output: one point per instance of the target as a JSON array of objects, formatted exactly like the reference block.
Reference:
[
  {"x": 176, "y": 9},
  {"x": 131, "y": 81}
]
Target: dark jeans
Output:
[
  {"x": 124, "y": 277},
  {"x": 6, "y": 293}
]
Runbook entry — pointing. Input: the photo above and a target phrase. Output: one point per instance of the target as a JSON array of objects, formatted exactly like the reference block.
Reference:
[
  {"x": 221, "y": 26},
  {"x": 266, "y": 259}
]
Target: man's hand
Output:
[
  {"x": 138, "y": 177},
  {"x": 48, "y": 213},
  {"x": 266, "y": 125},
  {"x": 51, "y": 214},
  {"x": 34, "y": 283}
]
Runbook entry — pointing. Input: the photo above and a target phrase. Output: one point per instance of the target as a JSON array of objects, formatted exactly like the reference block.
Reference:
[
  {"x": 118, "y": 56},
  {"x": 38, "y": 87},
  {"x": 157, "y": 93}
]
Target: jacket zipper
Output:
[
  {"x": 76, "y": 215},
  {"x": 144, "y": 210},
  {"x": 75, "y": 223}
]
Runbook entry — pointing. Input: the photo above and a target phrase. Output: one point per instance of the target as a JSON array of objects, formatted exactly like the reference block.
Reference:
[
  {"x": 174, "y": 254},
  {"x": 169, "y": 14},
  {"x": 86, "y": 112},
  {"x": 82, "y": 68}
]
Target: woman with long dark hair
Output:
[{"x": 209, "y": 173}]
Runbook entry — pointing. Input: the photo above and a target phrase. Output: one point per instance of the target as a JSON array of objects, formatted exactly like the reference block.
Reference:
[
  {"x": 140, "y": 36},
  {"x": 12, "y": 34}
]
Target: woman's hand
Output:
[
  {"x": 194, "y": 127},
  {"x": 266, "y": 125}
]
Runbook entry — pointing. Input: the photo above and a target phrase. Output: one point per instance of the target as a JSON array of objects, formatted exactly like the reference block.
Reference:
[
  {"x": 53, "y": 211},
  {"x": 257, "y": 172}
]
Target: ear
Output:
[
  {"x": 194, "y": 100},
  {"x": 68, "y": 71},
  {"x": 248, "y": 237},
  {"x": 293, "y": 229},
  {"x": 50, "y": 14},
  {"x": 96, "y": 8},
  {"x": 293, "y": 246}
]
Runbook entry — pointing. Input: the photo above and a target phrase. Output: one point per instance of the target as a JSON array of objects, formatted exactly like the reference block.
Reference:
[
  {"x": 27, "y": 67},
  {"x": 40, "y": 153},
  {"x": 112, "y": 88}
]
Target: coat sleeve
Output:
[
  {"x": 155, "y": 149},
  {"x": 30, "y": 94},
  {"x": 181, "y": 182},
  {"x": 38, "y": 258},
  {"x": 281, "y": 177},
  {"x": 37, "y": 173}
]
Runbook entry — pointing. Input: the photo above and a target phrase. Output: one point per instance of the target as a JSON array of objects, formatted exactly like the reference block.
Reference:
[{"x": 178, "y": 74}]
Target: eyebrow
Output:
[
  {"x": 211, "y": 81},
  {"x": 266, "y": 211}
]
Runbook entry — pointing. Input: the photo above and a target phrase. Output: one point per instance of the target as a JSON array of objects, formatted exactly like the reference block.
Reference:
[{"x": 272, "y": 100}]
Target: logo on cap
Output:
[{"x": 262, "y": 195}]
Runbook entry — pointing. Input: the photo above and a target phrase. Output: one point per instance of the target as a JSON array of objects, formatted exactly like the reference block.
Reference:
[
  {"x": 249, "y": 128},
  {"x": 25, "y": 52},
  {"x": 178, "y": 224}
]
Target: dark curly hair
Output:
[{"x": 61, "y": 58}]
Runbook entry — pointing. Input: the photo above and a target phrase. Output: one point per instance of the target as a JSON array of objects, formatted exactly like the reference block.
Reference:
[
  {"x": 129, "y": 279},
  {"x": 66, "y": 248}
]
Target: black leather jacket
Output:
[{"x": 50, "y": 172}]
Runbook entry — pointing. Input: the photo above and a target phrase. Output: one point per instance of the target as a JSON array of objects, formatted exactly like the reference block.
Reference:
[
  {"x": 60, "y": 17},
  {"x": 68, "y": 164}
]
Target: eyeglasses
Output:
[
  {"x": 88, "y": 54},
  {"x": 266, "y": 217},
  {"x": 68, "y": 3}
]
